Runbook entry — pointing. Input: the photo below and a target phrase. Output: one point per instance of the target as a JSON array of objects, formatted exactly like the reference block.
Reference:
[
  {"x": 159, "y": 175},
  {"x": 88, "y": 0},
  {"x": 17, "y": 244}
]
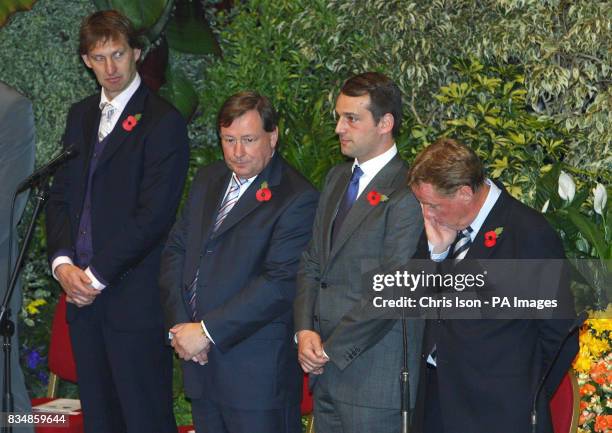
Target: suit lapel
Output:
[
  {"x": 335, "y": 197},
  {"x": 498, "y": 217},
  {"x": 210, "y": 204},
  {"x": 248, "y": 201},
  {"x": 90, "y": 121},
  {"x": 118, "y": 135},
  {"x": 383, "y": 183}
]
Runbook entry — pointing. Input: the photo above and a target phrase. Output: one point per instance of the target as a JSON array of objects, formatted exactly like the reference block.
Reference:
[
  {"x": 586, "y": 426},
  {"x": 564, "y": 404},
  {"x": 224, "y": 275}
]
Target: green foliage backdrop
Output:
[{"x": 525, "y": 82}]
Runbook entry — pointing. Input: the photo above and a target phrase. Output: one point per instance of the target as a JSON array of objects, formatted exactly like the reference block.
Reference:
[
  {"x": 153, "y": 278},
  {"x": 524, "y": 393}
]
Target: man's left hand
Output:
[{"x": 189, "y": 341}]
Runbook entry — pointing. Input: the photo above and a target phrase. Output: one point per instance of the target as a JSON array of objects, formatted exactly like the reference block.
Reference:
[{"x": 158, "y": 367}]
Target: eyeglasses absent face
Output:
[
  {"x": 114, "y": 65},
  {"x": 247, "y": 147}
]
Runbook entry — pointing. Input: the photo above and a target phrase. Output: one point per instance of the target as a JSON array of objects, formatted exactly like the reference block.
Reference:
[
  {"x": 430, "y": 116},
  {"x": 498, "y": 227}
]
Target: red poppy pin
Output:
[
  {"x": 263, "y": 193},
  {"x": 374, "y": 197},
  {"x": 490, "y": 237},
  {"x": 131, "y": 121}
]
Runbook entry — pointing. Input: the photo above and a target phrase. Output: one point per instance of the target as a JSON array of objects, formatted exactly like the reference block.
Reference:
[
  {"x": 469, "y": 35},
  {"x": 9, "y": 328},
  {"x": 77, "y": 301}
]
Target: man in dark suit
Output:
[
  {"x": 16, "y": 163},
  {"x": 481, "y": 375},
  {"x": 228, "y": 278},
  {"x": 109, "y": 212},
  {"x": 367, "y": 220}
]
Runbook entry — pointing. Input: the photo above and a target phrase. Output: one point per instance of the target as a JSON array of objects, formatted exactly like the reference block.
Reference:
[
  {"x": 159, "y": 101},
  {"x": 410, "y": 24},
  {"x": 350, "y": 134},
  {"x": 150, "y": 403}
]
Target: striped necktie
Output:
[
  {"x": 462, "y": 245},
  {"x": 229, "y": 201}
]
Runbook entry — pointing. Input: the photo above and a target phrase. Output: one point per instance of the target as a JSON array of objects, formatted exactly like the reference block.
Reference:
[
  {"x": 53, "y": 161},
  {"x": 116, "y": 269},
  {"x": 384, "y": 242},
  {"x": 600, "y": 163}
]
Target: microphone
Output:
[
  {"x": 575, "y": 326},
  {"x": 47, "y": 170}
]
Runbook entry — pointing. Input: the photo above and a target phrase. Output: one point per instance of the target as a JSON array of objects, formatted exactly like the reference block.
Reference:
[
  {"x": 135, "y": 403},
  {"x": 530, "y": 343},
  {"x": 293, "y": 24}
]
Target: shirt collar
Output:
[
  {"x": 372, "y": 166},
  {"x": 248, "y": 181},
  {"x": 122, "y": 99},
  {"x": 492, "y": 196}
]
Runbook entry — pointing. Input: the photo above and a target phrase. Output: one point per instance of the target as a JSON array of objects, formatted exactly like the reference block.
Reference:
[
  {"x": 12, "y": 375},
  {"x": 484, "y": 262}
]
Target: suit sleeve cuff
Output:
[
  {"x": 439, "y": 256},
  {"x": 325, "y": 354},
  {"x": 96, "y": 282},
  {"x": 60, "y": 259},
  {"x": 206, "y": 332}
]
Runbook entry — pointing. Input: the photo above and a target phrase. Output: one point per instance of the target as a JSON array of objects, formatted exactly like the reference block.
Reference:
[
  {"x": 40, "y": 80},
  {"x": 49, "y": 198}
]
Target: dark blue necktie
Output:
[{"x": 348, "y": 199}]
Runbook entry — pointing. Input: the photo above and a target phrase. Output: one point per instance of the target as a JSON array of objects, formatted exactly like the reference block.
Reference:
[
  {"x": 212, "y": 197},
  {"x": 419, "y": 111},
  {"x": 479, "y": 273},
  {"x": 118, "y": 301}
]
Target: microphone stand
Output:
[
  {"x": 405, "y": 379},
  {"x": 7, "y": 326}
]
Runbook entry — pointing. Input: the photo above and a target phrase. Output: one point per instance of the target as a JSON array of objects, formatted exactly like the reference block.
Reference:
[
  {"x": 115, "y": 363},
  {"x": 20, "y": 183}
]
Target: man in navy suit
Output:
[
  {"x": 109, "y": 212},
  {"x": 228, "y": 278},
  {"x": 480, "y": 376}
]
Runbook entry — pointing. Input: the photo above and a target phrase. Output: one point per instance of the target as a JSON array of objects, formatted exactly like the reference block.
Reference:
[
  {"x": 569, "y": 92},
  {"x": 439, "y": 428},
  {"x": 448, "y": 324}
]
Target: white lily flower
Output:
[
  {"x": 601, "y": 197},
  {"x": 567, "y": 187},
  {"x": 545, "y": 207}
]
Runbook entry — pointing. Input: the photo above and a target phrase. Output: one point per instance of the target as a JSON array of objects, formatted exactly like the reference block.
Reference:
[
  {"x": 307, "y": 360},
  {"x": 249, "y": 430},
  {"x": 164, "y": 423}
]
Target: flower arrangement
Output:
[{"x": 593, "y": 366}]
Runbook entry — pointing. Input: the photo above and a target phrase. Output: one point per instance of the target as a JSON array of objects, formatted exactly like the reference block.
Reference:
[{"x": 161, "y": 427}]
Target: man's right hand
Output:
[
  {"x": 311, "y": 356},
  {"x": 438, "y": 235},
  {"x": 76, "y": 284}
]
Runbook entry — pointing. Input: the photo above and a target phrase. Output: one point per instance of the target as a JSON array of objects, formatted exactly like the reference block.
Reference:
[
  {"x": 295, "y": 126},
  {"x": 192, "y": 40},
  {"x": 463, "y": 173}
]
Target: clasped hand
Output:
[
  {"x": 190, "y": 343},
  {"x": 76, "y": 284},
  {"x": 311, "y": 356}
]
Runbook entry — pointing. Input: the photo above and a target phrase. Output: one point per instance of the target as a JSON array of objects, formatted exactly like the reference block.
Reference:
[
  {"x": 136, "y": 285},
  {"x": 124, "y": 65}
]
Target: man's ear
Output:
[
  {"x": 137, "y": 52},
  {"x": 465, "y": 193},
  {"x": 86, "y": 60},
  {"x": 274, "y": 138},
  {"x": 386, "y": 123}
]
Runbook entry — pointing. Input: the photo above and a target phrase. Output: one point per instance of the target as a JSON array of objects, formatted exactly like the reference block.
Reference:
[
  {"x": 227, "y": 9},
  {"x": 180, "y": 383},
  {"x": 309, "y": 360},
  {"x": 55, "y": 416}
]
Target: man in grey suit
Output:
[
  {"x": 16, "y": 163},
  {"x": 367, "y": 220}
]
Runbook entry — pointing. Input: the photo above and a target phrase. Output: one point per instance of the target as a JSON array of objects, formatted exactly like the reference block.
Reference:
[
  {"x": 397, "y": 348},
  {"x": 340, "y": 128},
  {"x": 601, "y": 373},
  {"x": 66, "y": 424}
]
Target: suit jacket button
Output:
[{"x": 324, "y": 285}]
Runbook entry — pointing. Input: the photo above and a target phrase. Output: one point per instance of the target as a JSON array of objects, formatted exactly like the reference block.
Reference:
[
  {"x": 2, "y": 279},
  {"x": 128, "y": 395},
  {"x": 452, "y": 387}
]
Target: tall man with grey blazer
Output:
[
  {"x": 16, "y": 163},
  {"x": 367, "y": 220}
]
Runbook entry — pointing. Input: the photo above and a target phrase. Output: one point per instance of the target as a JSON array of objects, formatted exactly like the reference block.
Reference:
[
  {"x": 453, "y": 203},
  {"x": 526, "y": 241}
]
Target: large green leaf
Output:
[
  {"x": 179, "y": 91},
  {"x": 151, "y": 16},
  {"x": 547, "y": 189},
  {"x": 188, "y": 30},
  {"x": 591, "y": 232},
  {"x": 8, "y": 7}
]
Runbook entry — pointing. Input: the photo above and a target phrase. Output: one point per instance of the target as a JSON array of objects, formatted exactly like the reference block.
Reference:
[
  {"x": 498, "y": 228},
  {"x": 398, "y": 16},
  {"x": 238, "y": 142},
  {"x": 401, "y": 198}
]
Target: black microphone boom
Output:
[
  {"x": 575, "y": 326},
  {"x": 48, "y": 169}
]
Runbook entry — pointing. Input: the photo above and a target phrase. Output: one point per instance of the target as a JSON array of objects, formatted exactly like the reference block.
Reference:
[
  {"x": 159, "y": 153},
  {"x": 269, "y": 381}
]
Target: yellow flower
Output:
[
  {"x": 32, "y": 307},
  {"x": 596, "y": 346},
  {"x": 600, "y": 321},
  {"x": 582, "y": 363},
  {"x": 600, "y": 325}
]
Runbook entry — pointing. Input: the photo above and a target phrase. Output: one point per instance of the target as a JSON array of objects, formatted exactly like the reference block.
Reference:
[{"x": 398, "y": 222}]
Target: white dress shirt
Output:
[{"x": 372, "y": 166}]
